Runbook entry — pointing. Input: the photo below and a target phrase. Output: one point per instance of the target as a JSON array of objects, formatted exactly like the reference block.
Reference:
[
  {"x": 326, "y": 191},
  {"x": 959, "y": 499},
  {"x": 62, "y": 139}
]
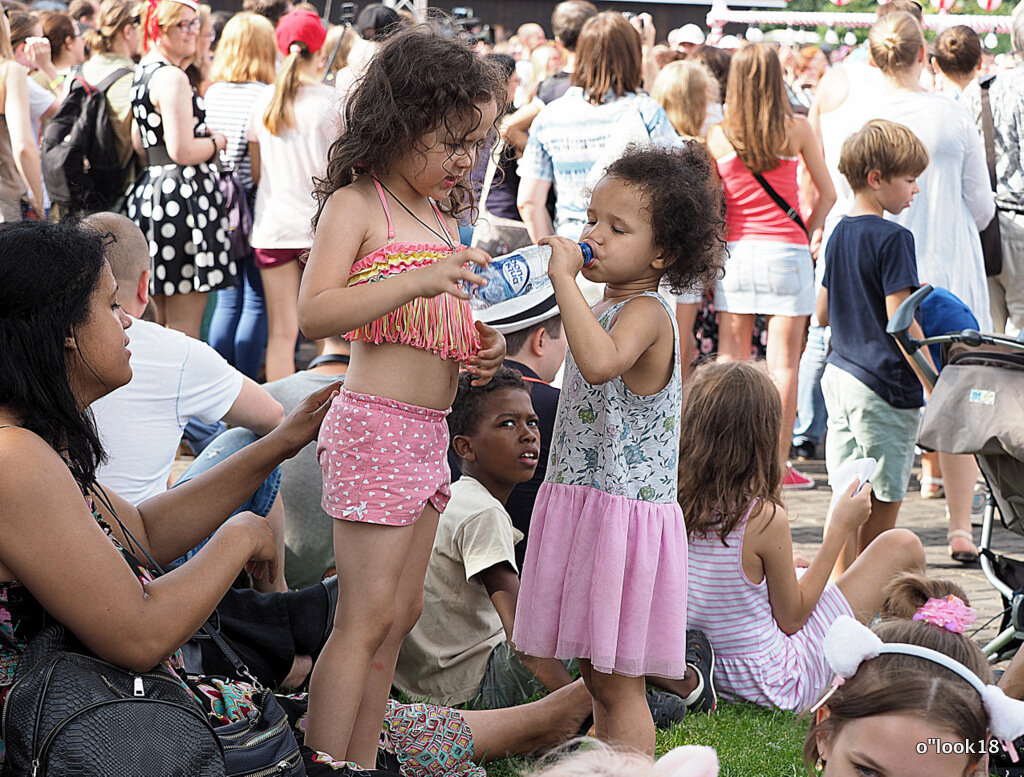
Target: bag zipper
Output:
[
  {"x": 263, "y": 736},
  {"x": 44, "y": 749},
  {"x": 281, "y": 767}
]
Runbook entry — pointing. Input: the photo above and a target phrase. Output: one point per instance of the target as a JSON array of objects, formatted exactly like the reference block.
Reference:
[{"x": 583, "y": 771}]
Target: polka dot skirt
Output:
[{"x": 178, "y": 208}]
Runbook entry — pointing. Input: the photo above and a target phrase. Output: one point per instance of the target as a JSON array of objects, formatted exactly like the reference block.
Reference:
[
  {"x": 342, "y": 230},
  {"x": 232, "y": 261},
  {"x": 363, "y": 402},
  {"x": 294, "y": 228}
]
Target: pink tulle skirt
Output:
[{"x": 604, "y": 579}]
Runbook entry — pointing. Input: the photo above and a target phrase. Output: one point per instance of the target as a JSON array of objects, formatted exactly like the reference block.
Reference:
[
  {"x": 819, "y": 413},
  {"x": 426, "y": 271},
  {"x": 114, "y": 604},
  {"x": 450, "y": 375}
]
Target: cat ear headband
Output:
[{"x": 849, "y": 643}]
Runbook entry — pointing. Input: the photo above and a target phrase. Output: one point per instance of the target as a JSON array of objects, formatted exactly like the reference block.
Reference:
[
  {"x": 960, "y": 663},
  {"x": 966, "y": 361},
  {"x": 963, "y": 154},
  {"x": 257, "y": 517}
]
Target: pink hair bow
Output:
[{"x": 950, "y": 614}]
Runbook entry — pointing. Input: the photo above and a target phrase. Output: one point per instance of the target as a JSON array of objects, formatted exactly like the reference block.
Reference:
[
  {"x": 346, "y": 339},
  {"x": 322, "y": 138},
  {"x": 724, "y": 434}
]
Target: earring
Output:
[{"x": 819, "y": 766}]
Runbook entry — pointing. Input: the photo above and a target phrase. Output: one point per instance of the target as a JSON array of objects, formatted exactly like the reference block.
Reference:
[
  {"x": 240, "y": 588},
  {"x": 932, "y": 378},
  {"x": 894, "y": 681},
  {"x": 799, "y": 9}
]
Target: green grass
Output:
[{"x": 750, "y": 741}]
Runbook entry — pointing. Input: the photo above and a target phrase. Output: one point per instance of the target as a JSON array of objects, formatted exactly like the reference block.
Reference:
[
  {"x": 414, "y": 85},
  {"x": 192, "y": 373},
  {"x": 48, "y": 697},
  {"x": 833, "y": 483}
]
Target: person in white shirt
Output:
[{"x": 175, "y": 378}]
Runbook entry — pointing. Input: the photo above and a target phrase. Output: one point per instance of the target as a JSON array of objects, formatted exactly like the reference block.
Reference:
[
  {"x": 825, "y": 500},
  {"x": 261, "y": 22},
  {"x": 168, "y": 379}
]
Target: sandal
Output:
[
  {"x": 962, "y": 556},
  {"x": 932, "y": 488}
]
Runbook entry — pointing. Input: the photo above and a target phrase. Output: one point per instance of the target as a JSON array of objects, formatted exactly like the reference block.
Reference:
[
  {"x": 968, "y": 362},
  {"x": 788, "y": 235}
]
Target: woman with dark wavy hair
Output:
[{"x": 64, "y": 344}]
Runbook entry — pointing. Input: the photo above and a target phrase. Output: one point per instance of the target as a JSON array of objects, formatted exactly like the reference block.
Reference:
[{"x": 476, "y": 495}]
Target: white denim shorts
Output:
[{"x": 767, "y": 277}]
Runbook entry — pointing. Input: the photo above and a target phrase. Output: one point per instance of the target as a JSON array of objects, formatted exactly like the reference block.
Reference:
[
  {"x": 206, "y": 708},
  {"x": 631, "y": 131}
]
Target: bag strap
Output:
[
  {"x": 988, "y": 130},
  {"x": 777, "y": 198},
  {"x": 112, "y": 79},
  {"x": 207, "y": 628}
]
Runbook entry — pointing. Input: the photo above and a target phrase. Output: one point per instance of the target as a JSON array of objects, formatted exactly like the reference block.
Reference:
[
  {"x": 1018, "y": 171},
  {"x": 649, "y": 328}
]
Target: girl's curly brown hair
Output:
[
  {"x": 423, "y": 79},
  {"x": 683, "y": 197}
]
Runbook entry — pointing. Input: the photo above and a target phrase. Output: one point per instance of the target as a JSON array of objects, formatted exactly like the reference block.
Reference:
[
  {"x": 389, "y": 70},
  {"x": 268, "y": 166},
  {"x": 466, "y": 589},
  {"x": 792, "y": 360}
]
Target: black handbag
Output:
[
  {"x": 122, "y": 737},
  {"x": 70, "y": 713},
  {"x": 991, "y": 242}
]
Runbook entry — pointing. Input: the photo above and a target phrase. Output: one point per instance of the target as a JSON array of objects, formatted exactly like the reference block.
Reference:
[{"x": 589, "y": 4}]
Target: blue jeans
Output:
[
  {"x": 811, "y": 414},
  {"x": 224, "y": 445},
  {"x": 238, "y": 328}
]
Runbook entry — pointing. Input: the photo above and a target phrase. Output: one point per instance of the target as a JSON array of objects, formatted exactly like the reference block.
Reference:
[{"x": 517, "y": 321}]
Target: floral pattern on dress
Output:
[{"x": 609, "y": 438}]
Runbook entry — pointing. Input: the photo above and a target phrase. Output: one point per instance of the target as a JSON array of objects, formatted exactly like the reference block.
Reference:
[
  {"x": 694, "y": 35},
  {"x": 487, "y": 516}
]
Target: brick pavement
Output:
[{"x": 926, "y": 517}]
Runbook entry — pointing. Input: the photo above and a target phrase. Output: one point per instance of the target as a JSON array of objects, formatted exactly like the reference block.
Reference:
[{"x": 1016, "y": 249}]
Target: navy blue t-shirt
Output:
[{"x": 868, "y": 258}]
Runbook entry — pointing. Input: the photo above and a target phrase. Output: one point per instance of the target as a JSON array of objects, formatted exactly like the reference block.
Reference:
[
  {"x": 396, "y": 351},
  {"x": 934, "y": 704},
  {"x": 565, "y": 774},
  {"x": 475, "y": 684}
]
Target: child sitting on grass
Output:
[
  {"x": 765, "y": 622},
  {"x": 871, "y": 391},
  {"x": 913, "y": 696},
  {"x": 459, "y": 650}
]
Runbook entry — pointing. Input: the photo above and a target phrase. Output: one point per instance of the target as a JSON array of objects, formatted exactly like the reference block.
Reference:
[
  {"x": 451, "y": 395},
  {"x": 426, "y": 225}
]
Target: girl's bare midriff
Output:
[{"x": 402, "y": 372}]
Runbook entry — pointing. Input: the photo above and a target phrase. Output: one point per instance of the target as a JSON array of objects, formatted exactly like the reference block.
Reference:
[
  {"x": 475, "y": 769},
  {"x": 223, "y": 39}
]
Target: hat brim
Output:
[{"x": 520, "y": 313}]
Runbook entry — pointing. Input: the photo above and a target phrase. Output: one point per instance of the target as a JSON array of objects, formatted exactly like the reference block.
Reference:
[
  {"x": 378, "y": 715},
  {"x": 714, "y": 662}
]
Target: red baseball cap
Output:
[{"x": 300, "y": 27}]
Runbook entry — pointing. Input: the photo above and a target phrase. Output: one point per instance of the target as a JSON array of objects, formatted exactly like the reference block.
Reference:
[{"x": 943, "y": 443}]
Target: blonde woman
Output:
[
  {"x": 770, "y": 269},
  {"x": 19, "y": 156},
  {"x": 290, "y": 131},
  {"x": 684, "y": 89},
  {"x": 242, "y": 70},
  {"x": 176, "y": 201}
]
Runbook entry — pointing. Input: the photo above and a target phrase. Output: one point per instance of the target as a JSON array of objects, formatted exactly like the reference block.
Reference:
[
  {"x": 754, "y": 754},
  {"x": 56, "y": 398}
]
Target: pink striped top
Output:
[{"x": 754, "y": 659}]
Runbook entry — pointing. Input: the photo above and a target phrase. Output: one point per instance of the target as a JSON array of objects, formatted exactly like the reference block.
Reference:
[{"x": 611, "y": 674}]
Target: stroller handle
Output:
[{"x": 899, "y": 327}]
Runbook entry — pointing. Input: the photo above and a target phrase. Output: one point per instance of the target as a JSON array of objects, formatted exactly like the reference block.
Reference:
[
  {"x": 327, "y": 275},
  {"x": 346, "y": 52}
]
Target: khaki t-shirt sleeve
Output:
[{"x": 484, "y": 539}]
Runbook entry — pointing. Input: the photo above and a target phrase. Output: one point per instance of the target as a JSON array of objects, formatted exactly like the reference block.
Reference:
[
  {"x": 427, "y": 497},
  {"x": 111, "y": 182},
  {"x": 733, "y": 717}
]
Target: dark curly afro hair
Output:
[
  {"x": 684, "y": 198},
  {"x": 466, "y": 409}
]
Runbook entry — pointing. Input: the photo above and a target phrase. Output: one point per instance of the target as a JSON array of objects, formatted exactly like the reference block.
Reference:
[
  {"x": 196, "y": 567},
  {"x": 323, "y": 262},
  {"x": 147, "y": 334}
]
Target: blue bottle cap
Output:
[{"x": 588, "y": 253}]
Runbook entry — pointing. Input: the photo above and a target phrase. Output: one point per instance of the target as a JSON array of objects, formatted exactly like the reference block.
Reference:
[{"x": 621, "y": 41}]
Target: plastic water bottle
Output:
[{"x": 515, "y": 274}]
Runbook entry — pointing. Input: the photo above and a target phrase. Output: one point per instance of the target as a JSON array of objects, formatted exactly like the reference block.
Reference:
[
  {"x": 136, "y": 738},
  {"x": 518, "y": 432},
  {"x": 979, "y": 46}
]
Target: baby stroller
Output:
[{"x": 977, "y": 407}]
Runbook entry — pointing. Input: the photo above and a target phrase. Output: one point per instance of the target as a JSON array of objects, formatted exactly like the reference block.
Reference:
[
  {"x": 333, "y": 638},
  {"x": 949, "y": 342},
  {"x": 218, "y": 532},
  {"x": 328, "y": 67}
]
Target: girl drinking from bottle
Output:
[
  {"x": 386, "y": 271},
  {"x": 604, "y": 578}
]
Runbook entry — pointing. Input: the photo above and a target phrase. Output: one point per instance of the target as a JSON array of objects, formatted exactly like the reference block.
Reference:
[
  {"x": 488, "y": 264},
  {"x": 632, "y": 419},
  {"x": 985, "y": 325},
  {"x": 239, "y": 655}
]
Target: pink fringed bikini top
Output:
[{"x": 441, "y": 324}]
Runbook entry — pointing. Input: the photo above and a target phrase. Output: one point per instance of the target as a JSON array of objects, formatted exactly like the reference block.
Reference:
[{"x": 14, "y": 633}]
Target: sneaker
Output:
[
  {"x": 666, "y": 708},
  {"x": 803, "y": 451},
  {"x": 796, "y": 480},
  {"x": 700, "y": 657}
]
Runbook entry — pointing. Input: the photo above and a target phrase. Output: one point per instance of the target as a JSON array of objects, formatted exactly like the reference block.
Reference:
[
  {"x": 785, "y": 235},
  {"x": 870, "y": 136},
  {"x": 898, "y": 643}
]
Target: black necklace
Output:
[{"x": 443, "y": 237}]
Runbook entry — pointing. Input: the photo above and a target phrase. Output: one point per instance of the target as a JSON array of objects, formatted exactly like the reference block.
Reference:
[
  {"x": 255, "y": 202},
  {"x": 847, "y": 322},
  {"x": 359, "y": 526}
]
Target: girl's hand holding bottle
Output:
[
  {"x": 566, "y": 257},
  {"x": 490, "y": 356},
  {"x": 451, "y": 274}
]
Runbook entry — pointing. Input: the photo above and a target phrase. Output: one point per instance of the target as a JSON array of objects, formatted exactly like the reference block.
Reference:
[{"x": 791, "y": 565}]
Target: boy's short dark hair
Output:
[
  {"x": 465, "y": 414},
  {"x": 881, "y": 145},
  {"x": 514, "y": 341},
  {"x": 686, "y": 206},
  {"x": 568, "y": 19},
  {"x": 273, "y": 10}
]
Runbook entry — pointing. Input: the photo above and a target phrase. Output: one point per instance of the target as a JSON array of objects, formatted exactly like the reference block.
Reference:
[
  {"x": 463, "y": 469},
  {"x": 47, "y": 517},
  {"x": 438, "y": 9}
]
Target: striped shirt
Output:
[
  {"x": 569, "y": 136},
  {"x": 754, "y": 659},
  {"x": 227, "y": 111}
]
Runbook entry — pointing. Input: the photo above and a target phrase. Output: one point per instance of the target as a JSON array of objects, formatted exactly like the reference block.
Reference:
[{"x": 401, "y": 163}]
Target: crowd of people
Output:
[{"x": 451, "y": 511}]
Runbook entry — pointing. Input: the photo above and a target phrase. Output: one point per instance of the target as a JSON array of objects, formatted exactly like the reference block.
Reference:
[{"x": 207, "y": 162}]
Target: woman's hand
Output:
[
  {"x": 37, "y": 51},
  {"x": 263, "y": 560},
  {"x": 815, "y": 244},
  {"x": 490, "y": 356},
  {"x": 301, "y": 426},
  {"x": 566, "y": 256},
  {"x": 446, "y": 276}
]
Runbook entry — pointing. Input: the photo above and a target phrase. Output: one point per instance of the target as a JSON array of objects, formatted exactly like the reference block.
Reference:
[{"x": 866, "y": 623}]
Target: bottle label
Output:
[{"x": 516, "y": 273}]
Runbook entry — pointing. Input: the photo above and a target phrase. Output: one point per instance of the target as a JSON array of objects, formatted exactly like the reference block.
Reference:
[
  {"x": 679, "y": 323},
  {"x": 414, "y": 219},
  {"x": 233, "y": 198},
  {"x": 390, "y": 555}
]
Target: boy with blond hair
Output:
[{"x": 871, "y": 391}]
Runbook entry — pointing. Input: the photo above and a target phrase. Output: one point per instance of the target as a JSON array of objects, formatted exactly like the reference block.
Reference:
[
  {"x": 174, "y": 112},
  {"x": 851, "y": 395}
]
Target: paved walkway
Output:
[{"x": 926, "y": 517}]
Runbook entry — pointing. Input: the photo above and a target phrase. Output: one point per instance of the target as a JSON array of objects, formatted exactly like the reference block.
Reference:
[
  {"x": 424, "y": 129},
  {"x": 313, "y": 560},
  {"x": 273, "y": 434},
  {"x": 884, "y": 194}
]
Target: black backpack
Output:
[{"x": 79, "y": 149}]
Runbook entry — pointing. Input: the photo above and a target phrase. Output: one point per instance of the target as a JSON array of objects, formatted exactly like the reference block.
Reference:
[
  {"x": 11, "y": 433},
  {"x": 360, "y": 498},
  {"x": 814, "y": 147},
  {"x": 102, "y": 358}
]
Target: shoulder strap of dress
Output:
[{"x": 387, "y": 211}]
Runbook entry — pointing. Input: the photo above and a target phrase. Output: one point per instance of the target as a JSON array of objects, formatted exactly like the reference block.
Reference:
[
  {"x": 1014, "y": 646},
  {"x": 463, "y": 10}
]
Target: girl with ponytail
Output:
[{"x": 286, "y": 153}]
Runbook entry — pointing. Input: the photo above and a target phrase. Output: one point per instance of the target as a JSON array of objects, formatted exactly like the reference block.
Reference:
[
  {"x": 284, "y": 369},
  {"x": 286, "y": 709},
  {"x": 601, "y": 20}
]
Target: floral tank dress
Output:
[{"x": 605, "y": 571}]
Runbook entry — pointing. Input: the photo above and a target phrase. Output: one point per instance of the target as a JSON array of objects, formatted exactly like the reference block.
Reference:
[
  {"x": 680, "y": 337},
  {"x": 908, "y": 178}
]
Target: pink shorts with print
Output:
[{"x": 382, "y": 460}]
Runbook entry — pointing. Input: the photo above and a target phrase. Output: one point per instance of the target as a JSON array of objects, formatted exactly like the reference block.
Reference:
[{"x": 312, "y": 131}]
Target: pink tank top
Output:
[{"x": 749, "y": 212}]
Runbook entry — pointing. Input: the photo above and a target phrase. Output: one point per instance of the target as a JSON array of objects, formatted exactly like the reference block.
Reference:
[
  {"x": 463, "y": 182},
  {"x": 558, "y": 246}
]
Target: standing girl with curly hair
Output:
[
  {"x": 386, "y": 272},
  {"x": 604, "y": 578}
]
